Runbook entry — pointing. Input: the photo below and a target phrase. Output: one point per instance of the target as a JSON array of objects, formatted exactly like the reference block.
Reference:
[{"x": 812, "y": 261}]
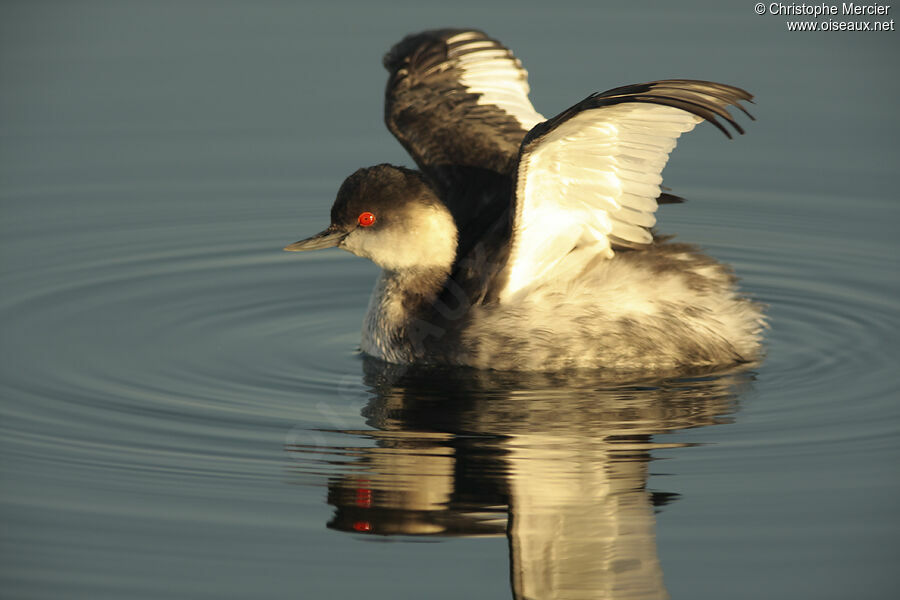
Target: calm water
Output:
[{"x": 185, "y": 415}]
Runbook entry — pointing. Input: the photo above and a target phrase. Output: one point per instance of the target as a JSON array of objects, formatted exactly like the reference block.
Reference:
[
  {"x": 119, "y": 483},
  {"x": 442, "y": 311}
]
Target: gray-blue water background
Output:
[{"x": 183, "y": 413}]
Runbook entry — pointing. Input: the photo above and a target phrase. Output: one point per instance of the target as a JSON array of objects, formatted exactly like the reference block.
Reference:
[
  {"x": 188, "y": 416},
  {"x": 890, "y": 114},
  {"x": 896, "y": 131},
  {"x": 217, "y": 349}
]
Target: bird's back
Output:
[{"x": 660, "y": 309}]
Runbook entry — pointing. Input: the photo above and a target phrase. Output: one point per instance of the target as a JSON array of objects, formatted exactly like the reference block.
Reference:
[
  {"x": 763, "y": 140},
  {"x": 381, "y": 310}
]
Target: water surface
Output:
[{"x": 184, "y": 411}]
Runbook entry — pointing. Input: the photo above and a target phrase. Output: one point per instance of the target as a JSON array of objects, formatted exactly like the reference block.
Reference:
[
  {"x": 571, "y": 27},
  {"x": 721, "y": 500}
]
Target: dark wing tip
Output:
[
  {"x": 409, "y": 45},
  {"x": 706, "y": 99},
  {"x": 707, "y": 95},
  {"x": 667, "y": 198}
]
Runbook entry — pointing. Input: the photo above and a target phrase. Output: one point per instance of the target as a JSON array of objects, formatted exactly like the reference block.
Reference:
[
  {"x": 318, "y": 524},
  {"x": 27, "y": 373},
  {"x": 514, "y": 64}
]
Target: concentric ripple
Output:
[
  {"x": 181, "y": 321},
  {"x": 143, "y": 357}
]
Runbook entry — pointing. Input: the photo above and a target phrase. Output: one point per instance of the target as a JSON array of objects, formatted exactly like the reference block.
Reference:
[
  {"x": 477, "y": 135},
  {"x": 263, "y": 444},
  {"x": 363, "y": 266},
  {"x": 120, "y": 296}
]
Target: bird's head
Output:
[{"x": 391, "y": 216}]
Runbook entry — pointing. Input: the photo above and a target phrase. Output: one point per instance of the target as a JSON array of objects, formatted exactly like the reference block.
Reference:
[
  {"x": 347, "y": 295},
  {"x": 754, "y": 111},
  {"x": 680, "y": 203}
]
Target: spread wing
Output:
[
  {"x": 588, "y": 179},
  {"x": 457, "y": 99}
]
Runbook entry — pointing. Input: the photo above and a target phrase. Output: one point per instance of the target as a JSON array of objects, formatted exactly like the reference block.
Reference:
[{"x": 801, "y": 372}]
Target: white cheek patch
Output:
[{"x": 428, "y": 239}]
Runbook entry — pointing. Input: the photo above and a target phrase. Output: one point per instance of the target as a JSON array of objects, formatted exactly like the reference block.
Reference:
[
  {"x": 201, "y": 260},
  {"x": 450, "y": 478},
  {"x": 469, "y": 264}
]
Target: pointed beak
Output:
[{"x": 329, "y": 238}]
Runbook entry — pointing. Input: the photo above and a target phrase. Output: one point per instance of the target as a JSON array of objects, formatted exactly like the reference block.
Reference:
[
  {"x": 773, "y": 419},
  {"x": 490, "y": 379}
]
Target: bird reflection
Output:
[{"x": 556, "y": 463}]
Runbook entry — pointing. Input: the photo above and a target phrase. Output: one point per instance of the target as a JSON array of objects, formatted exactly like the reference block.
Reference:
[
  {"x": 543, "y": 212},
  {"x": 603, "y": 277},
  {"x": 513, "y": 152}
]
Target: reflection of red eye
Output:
[
  {"x": 366, "y": 219},
  {"x": 364, "y": 497}
]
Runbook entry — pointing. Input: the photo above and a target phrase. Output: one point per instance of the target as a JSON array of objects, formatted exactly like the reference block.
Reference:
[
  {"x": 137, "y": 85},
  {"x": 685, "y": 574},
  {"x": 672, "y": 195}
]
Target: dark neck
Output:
[
  {"x": 415, "y": 289},
  {"x": 397, "y": 327}
]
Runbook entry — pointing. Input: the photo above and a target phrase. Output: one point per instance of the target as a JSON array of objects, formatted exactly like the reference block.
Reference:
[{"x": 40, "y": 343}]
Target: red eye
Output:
[{"x": 366, "y": 219}]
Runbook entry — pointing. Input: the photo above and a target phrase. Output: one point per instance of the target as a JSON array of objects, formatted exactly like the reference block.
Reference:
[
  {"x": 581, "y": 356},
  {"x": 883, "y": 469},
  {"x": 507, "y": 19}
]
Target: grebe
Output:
[{"x": 525, "y": 243}]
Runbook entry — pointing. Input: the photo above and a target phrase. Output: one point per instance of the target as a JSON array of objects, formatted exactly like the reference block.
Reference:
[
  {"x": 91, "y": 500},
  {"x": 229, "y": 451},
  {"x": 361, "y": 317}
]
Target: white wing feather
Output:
[
  {"x": 593, "y": 178},
  {"x": 492, "y": 71}
]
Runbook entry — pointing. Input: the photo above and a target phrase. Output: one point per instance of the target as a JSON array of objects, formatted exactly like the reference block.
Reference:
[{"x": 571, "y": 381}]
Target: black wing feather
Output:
[
  {"x": 436, "y": 118},
  {"x": 706, "y": 99}
]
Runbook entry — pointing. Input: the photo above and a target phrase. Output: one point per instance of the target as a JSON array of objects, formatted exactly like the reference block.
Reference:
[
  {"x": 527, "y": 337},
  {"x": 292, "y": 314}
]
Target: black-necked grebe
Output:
[{"x": 526, "y": 244}]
